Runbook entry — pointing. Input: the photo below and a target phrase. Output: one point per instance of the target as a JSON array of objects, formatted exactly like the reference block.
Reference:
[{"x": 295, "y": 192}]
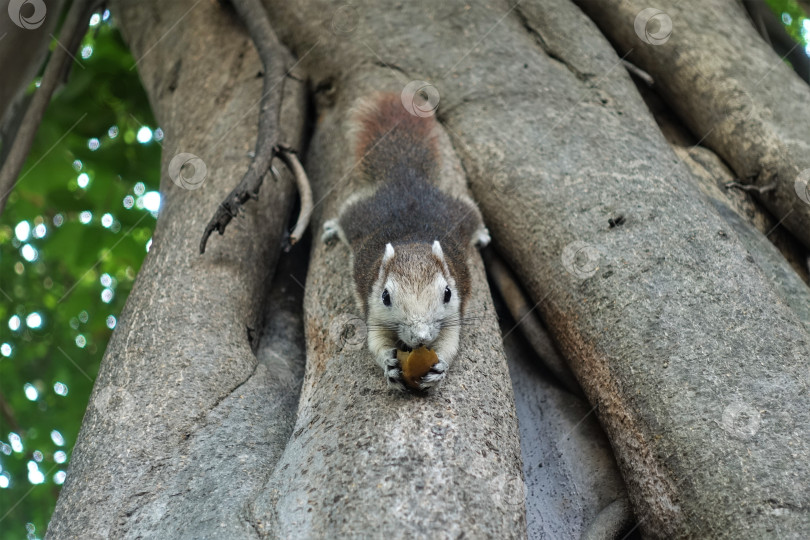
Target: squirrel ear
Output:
[
  {"x": 437, "y": 250},
  {"x": 389, "y": 253}
]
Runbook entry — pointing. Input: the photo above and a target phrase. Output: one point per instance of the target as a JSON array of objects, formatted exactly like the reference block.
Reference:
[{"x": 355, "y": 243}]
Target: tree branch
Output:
[
  {"x": 751, "y": 187},
  {"x": 526, "y": 318},
  {"x": 290, "y": 159},
  {"x": 275, "y": 60},
  {"x": 73, "y": 28}
]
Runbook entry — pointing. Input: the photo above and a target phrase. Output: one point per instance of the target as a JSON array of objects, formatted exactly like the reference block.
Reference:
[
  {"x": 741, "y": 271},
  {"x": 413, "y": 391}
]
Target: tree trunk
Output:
[
  {"x": 571, "y": 474},
  {"x": 555, "y": 141},
  {"x": 691, "y": 360},
  {"x": 184, "y": 424},
  {"x": 729, "y": 87}
]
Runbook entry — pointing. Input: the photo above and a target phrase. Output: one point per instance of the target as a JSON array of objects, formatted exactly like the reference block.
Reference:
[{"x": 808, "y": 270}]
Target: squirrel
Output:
[{"x": 410, "y": 241}]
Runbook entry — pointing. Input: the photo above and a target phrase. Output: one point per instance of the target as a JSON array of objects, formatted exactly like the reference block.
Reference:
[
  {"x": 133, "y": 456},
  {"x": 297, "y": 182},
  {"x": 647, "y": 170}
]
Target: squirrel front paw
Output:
[
  {"x": 482, "y": 238},
  {"x": 396, "y": 379},
  {"x": 392, "y": 370},
  {"x": 331, "y": 230},
  {"x": 436, "y": 375}
]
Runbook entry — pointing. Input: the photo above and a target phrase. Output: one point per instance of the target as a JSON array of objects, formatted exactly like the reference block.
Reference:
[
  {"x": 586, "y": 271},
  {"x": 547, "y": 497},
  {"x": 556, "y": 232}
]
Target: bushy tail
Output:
[{"x": 391, "y": 143}]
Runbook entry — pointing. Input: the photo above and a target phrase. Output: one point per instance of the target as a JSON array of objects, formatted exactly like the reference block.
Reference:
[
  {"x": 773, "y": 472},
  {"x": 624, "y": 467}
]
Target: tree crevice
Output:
[{"x": 550, "y": 51}]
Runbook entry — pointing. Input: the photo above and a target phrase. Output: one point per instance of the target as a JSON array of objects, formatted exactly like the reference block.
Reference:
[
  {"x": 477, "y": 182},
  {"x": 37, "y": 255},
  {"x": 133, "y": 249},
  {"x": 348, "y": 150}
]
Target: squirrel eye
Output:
[
  {"x": 447, "y": 294},
  {"x": 387, "y": 297}
]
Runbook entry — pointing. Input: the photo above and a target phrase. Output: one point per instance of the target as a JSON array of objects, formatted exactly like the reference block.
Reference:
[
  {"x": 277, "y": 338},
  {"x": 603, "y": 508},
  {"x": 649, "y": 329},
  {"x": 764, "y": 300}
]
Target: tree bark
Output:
[
  {"x": 730, "y": 88},
  {"x": 694, "y": 364},
  {"x": 184, "y": 424},
  {"x": 571, "y": 474},
  {"x": 752, "y": 228},
  {"x": 714, "y": 177}
]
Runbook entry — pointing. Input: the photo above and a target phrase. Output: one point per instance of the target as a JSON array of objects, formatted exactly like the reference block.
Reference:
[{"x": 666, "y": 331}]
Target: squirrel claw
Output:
[
  {"x": 482, "y": 238},
  {"x": 433, "y": 377},
  {"x": 396, "y": 382},
  {"x": 393, "y": 371},
  {"x": 331, "y": 230}
]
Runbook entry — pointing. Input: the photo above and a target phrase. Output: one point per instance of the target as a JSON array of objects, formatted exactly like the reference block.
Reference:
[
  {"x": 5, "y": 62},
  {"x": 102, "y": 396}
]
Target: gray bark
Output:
[
  {"x": 571, "y": 474},
  {"x": 183, "y": 423},
  {"x": 730, "y": 88},
  {"x": 194, "y": 425},
  {"x": 695, "y": 365},
  {"x": 714, "y": 176},
  {"x": 752, "y": 226}
]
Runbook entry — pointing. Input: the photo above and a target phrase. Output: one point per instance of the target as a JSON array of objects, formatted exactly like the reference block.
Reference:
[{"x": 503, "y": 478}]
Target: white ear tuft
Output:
[
  {"x": 389, "y": 253},
  {"x": 437, "y": 250}
]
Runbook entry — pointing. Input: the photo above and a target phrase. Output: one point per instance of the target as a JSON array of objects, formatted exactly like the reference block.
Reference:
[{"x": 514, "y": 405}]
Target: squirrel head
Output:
[{"x": 414, "y": 295}]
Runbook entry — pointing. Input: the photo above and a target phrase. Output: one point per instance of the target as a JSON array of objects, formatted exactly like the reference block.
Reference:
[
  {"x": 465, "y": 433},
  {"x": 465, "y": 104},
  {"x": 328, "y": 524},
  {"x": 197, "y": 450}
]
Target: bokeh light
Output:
[
  {"x": 57, "y": 438},
  {"x": 30, "y": 392},
  {"x": 33, "y": 320},
  {"x": 29, "y": 253},
  {"x": 144, "y": 135},
  {"x": 35, "y": 476},
  {"x": 151, "y": 201},
  {"x": 15, "y": 441},
  {"x": 22, "y": 231},
  {"x": 59, "y": 477},
  {"x": 14, "y": 323}
]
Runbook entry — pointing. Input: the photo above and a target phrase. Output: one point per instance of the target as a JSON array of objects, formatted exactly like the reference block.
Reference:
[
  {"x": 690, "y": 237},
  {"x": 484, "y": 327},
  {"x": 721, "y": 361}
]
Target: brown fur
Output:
[
  {"x": 398, "y": 151},
  {"x": 391, "y": 142}
]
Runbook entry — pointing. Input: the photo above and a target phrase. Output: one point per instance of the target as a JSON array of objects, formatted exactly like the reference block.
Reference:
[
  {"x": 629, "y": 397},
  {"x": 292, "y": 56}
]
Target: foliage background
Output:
[
  {"x": 84, "y": 249},
  {"x": 72, "y": 239}
]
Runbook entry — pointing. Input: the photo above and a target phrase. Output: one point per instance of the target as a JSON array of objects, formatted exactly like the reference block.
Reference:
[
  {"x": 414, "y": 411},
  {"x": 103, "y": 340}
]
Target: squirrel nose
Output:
[{"x": 422, "y": 334}]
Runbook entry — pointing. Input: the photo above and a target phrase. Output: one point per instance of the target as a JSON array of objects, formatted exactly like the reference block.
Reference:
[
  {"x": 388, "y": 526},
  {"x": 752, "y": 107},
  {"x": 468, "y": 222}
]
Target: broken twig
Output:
[
  {"x": 638, "y": 72},
  {"x": 751, "y": 187},
  {"x": 290, "y": 159},
  {"x": 275, "y": 60}
]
